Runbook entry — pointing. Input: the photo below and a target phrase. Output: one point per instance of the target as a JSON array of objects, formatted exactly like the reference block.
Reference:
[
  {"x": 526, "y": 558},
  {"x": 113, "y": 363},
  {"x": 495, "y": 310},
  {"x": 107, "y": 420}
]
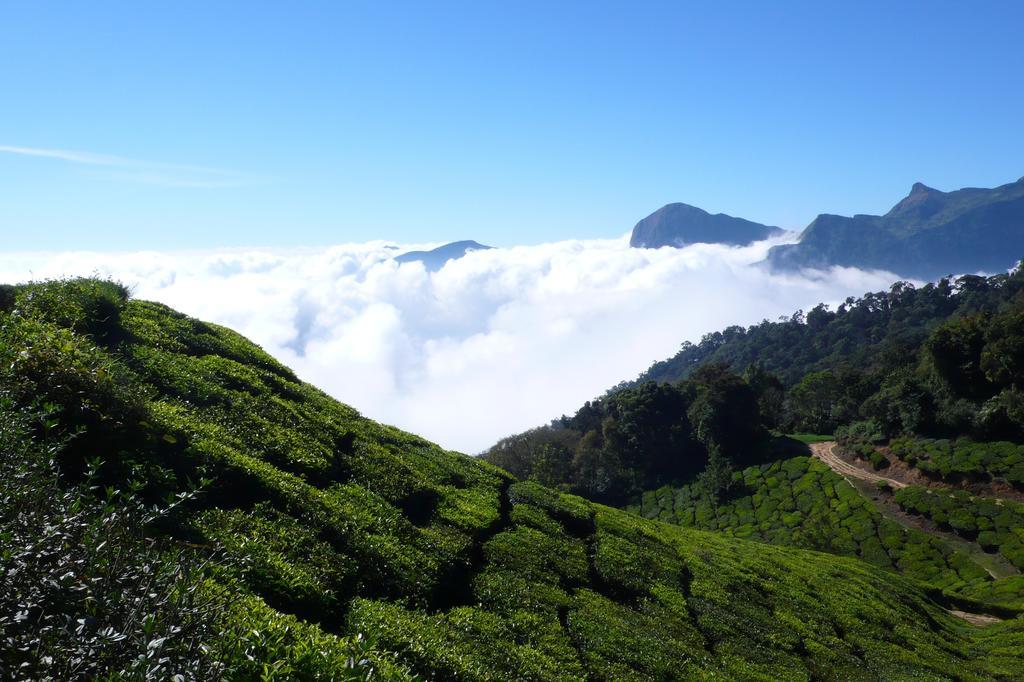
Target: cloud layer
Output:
[{"x": 493, "y": 343}]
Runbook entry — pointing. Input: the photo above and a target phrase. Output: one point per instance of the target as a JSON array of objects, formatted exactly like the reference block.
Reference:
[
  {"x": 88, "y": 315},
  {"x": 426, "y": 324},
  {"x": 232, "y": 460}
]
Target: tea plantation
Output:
[
  {"x": 800, "y": 502},
  {"x": 290, "y": 538},
  {"x": 997, "y": 525},
  {"x": 955, "y": 460}
]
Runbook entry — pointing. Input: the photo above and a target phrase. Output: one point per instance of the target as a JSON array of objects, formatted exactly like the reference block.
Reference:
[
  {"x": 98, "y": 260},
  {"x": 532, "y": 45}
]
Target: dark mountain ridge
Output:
[
  {"x": 681, "y": 224},
  {"x": 927, "y": 235}
]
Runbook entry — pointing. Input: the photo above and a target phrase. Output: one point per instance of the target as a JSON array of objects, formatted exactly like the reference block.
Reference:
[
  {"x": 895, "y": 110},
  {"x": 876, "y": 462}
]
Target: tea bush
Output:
[
  {"x": 800, "y": 502},
  {"x": 84, "y": 593},
  {"x": 997, "y": 525},
  {"x": 955, "y": 460}
]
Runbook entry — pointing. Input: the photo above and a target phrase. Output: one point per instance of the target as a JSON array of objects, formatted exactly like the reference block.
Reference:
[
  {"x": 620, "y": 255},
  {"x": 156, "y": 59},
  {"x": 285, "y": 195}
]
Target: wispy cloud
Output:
[
  {"x": 68, "y": 155},
  {"x": 146, "y": 172}
]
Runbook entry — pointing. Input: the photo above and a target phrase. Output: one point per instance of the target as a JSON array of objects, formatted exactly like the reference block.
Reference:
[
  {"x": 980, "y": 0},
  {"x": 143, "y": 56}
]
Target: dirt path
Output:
[
  {"x": 865, "y": 480},
  {"x": 826, "y": 452},
  {"x": 978, "y": 619}
]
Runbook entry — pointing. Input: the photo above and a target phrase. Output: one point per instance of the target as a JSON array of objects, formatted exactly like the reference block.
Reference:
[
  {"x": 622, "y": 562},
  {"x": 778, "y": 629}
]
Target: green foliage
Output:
[
  {"x": 574, "y": 513},
  {"x": 86, "y": 306},
  {"x": 816, "y": 402},
  {"x": 83, "y": 593},
  {"x": 1007, "y": 591},
  {"x": 955, "y": 350},
  {"x": 614, "y": 448},
  {"x": 862, "y": 438},
  {"x": 866, "y": 333},
  {"x": 943, "y": 359},
  {"x": 469, "y": 643},
  {"x": 261, "y": 643},
  {"x": 963, "y": 458},
  {"x": 352, "y": 550},
  {"x": 800, "y": 502},
  {"x": 716, "y": 479},
  {"x": 997, "y": 525},
  {"x": 618, "y": 644},
  {"x": 276, "y": 556}
]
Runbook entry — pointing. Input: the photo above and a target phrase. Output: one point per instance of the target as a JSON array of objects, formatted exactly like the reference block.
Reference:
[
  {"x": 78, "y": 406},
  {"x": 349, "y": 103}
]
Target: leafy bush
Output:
[
  {"x": 955, "y": 460},
  {"x": 800, "y": 502},
  {"x": 86, "y": 306},
  {"x": 84, "y": 594},
  {"x": 861, "y": 438},
  {"x": 998, "y": 525}
]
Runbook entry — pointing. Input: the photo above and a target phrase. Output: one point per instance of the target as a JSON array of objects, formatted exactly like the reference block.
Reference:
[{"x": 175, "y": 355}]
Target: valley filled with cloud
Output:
[{"x": 491, "y": 344}]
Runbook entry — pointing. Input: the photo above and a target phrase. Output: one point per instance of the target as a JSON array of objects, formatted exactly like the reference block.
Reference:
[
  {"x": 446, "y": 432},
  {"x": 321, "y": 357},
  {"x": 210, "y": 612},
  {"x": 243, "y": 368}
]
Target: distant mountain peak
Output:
[
  {"x": 682, "y": 208},
  {"x": 928, "y": 234},
  {"x": 466, "y": 244},
  {"x": 435, "y": 259},
  {"x": 920, "y": 199},
  {"x": 679, "y": 224}
]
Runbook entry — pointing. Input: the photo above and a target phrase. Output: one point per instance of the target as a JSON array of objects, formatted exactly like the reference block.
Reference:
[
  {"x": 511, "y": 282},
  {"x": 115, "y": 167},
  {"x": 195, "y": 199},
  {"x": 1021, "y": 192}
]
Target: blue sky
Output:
[{"x": 197, "y": 125}]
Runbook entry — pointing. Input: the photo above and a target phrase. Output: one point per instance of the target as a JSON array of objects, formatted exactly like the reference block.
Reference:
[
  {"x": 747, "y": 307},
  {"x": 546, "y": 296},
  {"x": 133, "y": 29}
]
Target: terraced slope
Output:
[
  {"x": 800, "y": 502},
  {"x": 964, "y": 461},
  {"x": 997, "y": 525},
  {"x": 337, "y": 527}
]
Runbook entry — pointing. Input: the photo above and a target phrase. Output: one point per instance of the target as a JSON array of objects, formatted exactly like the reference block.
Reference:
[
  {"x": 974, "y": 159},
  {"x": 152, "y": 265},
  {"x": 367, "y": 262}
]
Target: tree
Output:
[
  {"x": 955, "y": 349},
  {"x": 901, "y": 405},
  {"x": 724, "y": 411},
  {"x": 812, "y": 403},
  {"x": 596, "y": 469},
  {"x": 769, "y": 391},
  {"x": 1002, "y": 357},
  {"x": 716, "y": 479}
]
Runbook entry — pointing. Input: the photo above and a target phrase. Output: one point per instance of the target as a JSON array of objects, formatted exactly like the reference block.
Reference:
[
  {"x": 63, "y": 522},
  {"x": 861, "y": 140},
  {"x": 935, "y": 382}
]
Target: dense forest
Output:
[
  {"x": 177, "y": 505},
  {"x": 945, "y": 360},
  {"x": 638, "y": 438}
]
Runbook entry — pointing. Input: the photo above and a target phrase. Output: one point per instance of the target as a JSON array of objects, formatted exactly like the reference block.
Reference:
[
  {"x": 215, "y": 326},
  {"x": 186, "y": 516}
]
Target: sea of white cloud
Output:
[{"x": 493, "y": 343}]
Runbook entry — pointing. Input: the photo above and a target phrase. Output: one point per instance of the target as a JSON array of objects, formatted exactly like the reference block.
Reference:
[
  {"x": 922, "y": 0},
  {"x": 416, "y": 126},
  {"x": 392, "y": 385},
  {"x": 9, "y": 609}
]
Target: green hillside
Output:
[
  {"x": 936, "y": 370},
  {"x": 869, "y": 334},
  {"x": 996, "y": 524},
  {"x": 963, "y": 459},
  {"x": 176, "y": 502},
  {"x": 800, "y": 502}
]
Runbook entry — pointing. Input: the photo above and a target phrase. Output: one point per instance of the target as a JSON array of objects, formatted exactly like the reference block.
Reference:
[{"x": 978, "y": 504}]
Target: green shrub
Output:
[
  {"x": 817, "y": 509},
  {"x": 538, "y": 556},
  {"x": 84, "y": 593},
  {"x": 86, "y": 306},
  {"x": 620, "y": 643},
  {"x": 472, "y": 644},
  {"x": 573, "y": 512},
  {"x": 966, "y": 515},
  {"x": 963, "y": 458}
]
